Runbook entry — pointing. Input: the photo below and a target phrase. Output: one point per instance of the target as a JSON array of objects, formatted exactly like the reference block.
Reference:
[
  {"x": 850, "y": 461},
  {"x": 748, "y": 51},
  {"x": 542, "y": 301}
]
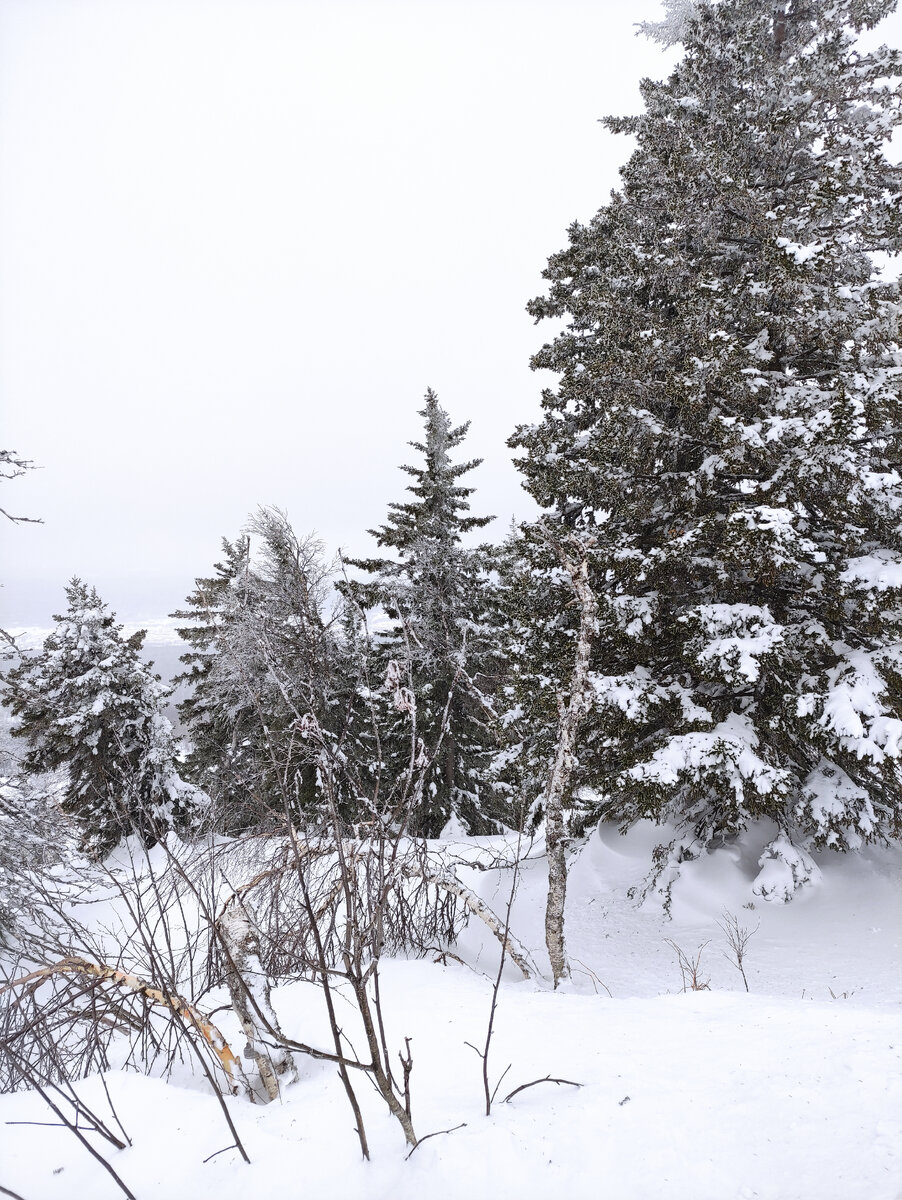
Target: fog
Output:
[{"x": 238, "y": 240}]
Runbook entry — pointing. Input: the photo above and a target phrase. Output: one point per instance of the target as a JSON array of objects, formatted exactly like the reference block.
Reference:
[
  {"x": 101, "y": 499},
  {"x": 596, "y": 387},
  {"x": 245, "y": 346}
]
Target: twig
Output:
[
  {"x": 690, "y": 968},
  {"x": 544, "y": 1079},
  {"x": 21, "y": 520},
  {"x": 500, "y": 1080},
  {"x": 9, "y": 1192},
  {"x": 484, "y": 1053},
  {"x": 738, "y": 936},
  {"x": 437, "y": 1133},
  {"x": 222, "y": 1151},
  {"x": 588, "y": 971},
  {"x": 113, "y": 1109},
  {"x": 52, "y": 1124}
]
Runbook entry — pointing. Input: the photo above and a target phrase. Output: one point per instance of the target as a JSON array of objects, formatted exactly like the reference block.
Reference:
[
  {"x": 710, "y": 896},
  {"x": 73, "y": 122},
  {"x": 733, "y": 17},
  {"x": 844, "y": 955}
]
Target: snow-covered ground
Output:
[{"x": 790, "y": 1092}]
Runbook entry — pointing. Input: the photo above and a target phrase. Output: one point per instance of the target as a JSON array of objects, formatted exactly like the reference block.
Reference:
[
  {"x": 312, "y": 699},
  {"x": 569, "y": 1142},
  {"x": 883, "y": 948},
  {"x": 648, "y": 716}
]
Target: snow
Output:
[
  {"x": 784, "y": 869},
  {"x": 790, "y": 1092},
  {"x": 800, "y": 254},
  {"x": 854, "y": 711},
  {"x": 704, "y": 1095},
  {"x": 729, "y": 748},
  {"x": 743, "y": 633},
  {"x": 832, "y": 796},
  {"x": 879, "y": 571}
]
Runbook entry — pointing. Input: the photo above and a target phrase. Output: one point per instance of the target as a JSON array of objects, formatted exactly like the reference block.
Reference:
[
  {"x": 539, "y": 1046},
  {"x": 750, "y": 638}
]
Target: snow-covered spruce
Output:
[
  {"x": 728, "y": 421},
  {"x": 267, "y": 648},
  {"x": 221, "y": 757},
  {"x": 87, "y": 703},
  {"x": 437, "y": 595}
]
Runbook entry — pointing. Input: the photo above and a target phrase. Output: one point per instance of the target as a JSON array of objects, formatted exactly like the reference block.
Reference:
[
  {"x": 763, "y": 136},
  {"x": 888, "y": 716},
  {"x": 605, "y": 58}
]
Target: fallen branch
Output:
[
  {"x": 544, "y": 1079},
  {"x": 100, "y": 973},
  {"x": 448, "y": 881},
  {"x": 437, "y": 1133}
]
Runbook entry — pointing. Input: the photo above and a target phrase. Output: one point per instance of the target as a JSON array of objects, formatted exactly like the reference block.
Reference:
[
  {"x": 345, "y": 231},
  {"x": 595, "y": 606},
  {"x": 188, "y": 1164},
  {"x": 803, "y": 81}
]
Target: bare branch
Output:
[
  {"x": 438, "y": 1133},
  {"x": 544, "y": 1079}
]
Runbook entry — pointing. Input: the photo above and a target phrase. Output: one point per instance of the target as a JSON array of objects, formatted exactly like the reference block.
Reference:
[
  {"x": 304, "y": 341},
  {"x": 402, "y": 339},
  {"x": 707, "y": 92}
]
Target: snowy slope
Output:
[{"x": 784, "y": 1093}]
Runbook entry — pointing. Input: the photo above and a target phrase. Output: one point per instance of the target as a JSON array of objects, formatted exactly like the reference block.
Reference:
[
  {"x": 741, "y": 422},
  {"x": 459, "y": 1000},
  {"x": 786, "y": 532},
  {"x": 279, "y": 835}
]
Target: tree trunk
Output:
[
  {"x": 249, "y": 990},
  {"x": 570, "y": 717},
  {"x": 446, "y": 879}
]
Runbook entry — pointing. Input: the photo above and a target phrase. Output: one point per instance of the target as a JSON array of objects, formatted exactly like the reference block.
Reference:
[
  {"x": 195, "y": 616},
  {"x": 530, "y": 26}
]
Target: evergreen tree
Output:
[
  {"x": 437, "y": 596},
  {"x": 537, "y": 625},
  {"x": 34, "y": 834},
  {"x": 727, "y": 426},
  {"x": 266, "y": 653},
  {"x": 87, "y": 703},
  {"x": 221, "y": 759}
]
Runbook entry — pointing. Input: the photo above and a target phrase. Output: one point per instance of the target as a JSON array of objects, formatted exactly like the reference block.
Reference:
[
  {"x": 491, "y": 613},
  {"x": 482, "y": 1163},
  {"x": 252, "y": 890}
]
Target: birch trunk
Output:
[
  {"x": 570, "y": 718},
  {"x": 192, "y": 1017},
  {"x": 446, "y": 879},
  {"x": 248, "y": 987}
]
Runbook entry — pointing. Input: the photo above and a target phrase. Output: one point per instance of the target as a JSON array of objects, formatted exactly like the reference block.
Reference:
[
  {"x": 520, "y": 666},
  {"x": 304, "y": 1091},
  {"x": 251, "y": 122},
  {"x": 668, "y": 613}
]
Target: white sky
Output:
[{"x": 239, "y": 239}]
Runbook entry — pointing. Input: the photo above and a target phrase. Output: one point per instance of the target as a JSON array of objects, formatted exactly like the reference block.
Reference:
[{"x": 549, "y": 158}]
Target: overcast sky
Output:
[{"x": 239, "y": 239}]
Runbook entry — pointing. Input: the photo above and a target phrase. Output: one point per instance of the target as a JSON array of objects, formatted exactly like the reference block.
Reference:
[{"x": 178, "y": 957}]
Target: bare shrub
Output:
[
  {"x": 738, "y": 937},
  {"x": 690, "y": 968}
]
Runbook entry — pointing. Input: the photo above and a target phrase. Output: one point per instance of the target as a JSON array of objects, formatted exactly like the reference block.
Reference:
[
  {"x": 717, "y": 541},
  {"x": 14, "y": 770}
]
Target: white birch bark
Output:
[
  {"x": 192, "y": 1017},
  {"x": 446, "y": 878},
  {"x": 248, "y": 987},
  {"x": 572, "y": 555}
]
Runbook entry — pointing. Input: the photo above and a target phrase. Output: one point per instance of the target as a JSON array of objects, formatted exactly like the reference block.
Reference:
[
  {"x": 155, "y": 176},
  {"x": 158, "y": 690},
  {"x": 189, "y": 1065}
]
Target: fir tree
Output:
[
  {"x": 266, "y": 653},
  {"x": 436, "y": 595},
  {"x": 727, "y": 425},
  {"x": 88, "y": 704},
  {"x": 533, "y": 618},
  {"x": 221, "y": 759}
]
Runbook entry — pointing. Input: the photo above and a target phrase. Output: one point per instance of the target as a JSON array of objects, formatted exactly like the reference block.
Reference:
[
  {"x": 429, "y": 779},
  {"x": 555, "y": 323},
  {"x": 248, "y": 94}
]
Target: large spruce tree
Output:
[
  {"x": 728, "y": 427},
  {"x": 89, "y": 705},
  {"x": 435, "y": 593}
]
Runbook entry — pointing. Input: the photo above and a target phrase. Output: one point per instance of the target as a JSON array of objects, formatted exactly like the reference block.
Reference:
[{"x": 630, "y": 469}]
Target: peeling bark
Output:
[
  {"x": 249, "y": 992},
  {"x": 178, "y": 1005}
]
